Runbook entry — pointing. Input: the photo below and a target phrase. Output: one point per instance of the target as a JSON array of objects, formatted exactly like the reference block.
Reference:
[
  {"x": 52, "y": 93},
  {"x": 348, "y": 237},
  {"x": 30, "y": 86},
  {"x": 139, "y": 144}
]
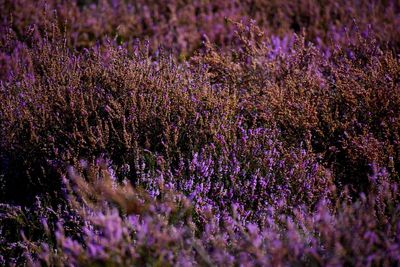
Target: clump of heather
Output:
[
  {"x": 181, "y": 26},
  {"x": 239, "y": 133},
  {"x": 122, "y": 225}
]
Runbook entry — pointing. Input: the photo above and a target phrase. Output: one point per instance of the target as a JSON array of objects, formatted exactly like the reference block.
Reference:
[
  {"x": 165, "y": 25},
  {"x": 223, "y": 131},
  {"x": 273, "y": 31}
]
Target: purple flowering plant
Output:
[{"x": 167, "y": 133}]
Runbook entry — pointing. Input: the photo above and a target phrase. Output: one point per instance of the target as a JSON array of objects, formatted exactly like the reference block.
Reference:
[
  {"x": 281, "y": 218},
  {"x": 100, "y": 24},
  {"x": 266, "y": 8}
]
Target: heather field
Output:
[{"x": 200, "y": 133}]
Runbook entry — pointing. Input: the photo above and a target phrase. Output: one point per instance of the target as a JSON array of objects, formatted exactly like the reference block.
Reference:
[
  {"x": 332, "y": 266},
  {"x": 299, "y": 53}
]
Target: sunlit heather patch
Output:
[{"x": 261, "y": 133}]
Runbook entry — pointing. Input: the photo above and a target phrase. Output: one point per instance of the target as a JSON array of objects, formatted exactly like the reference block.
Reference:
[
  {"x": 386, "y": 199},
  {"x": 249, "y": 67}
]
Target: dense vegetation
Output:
[{"x": 168, "y": 133}]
